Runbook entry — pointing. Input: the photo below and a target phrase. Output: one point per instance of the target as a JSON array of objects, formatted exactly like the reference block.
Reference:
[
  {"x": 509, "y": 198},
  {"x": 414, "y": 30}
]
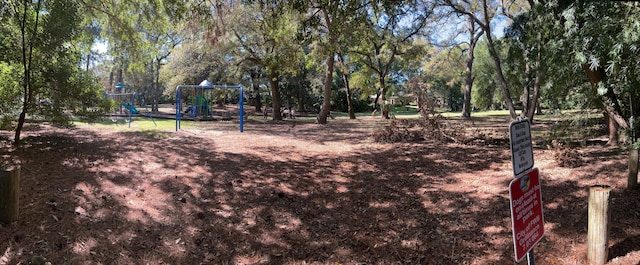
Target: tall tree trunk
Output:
[
  {"x": 612, "y": 128},
  {"x": 345, "y": 79},
  {"x": 111, "y": 82},
  {"x": 526, "y": 89},
  {"x": 468, "y": 86},
  {"x": 21, "y": 120},
  {"x": 352, "y": 112},
  {"x": 326, "y": 101},
  {"x": 120, "y": 78},
  {"x": 88, "y": 61},
  {"x": 536, "y": 82},
  {"x": 538, "y": 109},
  {"x": 376, "y": 102},
  {"x": 382, "y": 74},
  {"x": 275, "y": 94},
  {"x": 156, "y": 91},
  {"x": 257, "y": 99},
  {"x": 502, "y": 80},
  {"x": 27, "y": 58},
  {"x": 383, "y": 97}
]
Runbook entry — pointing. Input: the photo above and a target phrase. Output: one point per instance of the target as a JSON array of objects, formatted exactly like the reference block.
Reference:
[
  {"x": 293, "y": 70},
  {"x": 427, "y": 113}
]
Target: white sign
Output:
[{"x": 521, "y": 147}]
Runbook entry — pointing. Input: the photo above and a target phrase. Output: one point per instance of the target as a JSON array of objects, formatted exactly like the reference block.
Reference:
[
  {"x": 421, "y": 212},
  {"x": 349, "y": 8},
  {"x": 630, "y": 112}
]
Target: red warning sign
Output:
[{"x": 526, "y": 212}]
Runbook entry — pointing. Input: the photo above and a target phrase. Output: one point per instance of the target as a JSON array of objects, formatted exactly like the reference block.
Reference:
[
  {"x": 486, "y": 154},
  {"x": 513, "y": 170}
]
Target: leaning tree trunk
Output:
[
  {"x": 612, "y": 128},
  {"x": 352, "y": 112},
  {"x": 21, "y": 119},
  {"x": 502, "y": 81},
  {"x": 613, "y": 111},
  {"x": 26, "y": 105},
  {"x": 376, "y": 102}
]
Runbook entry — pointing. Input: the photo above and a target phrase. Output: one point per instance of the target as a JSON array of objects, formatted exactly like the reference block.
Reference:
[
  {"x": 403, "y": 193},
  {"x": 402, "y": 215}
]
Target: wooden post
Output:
[
  {"x": 632, "y": 180},
  {"x": 9, "y": 194},
  {"x": 598, "y": 226}
]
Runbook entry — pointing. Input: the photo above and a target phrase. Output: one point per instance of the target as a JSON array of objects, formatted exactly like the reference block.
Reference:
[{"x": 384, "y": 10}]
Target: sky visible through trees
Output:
[{"x": 287, "y": 54}]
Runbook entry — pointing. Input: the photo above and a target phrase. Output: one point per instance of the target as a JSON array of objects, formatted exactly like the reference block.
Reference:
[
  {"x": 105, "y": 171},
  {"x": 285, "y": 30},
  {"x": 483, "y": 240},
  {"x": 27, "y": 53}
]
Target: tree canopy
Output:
[
  {"x": 49, "y": 62},
  {"x": 39, "y": 64}
]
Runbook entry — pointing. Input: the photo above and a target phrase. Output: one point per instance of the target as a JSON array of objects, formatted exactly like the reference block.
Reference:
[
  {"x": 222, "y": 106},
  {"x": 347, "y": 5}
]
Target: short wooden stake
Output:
[
  {"x": 9, "y": 194},
  {"x": 632, "y": 180},
  {"x": 598, "y": 225}
]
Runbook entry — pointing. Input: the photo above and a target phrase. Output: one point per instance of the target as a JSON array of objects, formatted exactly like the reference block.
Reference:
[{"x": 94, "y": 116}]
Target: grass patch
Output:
[
  {"x": 568, "y": 126},
  {"x": 137, "y": 123},
  {"x": 479, "y": 114},
  {"x": 398, "y": 112}
]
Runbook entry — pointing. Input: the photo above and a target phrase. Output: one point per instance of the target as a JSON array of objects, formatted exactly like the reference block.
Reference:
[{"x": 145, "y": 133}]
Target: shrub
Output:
[
  {"x": 398, "y": 130},
  {"x": 430, "y": 126},
  {"x": 565, "y": 155}
]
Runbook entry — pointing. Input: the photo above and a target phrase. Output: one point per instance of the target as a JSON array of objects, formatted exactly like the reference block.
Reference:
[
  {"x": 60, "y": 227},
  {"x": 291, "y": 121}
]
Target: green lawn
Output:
[
  {"x": 411, "y": 112},
  {"x": 568, "y": 125},
  {"x": 137, "y": 123}
]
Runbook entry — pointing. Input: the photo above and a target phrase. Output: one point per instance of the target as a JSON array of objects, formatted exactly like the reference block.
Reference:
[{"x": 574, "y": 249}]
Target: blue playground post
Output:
[
  {"x": 241, "y": 102},
  {"x": 131, "y": 108},
  {"x": 178, "y": 108}
]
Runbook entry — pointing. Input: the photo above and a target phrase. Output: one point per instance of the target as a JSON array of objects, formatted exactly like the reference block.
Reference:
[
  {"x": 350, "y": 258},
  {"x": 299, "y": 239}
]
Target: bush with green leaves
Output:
[
  {"x": 339, "y": 100},
  {"x": 9, "y": 94}
]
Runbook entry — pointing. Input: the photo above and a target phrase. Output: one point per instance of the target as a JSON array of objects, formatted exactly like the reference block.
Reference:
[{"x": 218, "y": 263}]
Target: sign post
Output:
[{"x": 525, "y": 196}]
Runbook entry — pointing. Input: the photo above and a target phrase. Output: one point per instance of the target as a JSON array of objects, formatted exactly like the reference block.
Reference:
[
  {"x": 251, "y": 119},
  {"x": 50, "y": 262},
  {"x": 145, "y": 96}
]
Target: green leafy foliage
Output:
[
  {"x": 40, "y": 73},
  {"x": 388, "y": 42},
  {"x": 9, "y": 94},
  {"x": 339, "y": 101},
  {"x": 602, "y": 37},
  {"x": 485, "y": 93}
]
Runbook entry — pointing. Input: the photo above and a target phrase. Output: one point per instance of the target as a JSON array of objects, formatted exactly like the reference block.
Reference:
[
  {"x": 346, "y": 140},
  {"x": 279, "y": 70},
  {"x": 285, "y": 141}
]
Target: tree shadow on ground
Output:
[{"x": 179, "y": 198}]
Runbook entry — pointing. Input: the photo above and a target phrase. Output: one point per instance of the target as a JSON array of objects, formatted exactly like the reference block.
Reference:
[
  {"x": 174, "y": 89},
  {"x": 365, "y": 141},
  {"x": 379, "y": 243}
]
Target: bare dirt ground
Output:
[{"x": 294, "y": 193}]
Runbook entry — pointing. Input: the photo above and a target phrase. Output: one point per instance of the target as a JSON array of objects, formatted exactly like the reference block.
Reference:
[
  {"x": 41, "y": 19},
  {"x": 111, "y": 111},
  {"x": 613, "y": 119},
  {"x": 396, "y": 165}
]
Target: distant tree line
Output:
[{"x": 58, "y": 57}]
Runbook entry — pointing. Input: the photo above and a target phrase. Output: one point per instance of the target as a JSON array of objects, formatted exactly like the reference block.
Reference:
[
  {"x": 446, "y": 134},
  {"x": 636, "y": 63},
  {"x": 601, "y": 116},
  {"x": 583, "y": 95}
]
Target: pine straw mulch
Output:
[{"x": 293, "y": 193}]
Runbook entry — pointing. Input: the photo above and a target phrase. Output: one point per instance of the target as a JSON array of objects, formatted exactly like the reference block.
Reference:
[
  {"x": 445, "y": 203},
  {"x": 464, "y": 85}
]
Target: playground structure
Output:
[
  {"x": 126, "y": 101},
  {"x": 199, "y": 105}
]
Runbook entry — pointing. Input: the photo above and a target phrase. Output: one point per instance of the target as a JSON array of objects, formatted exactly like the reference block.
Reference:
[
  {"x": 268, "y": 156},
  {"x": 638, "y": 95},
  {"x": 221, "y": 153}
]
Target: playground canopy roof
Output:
[{"x": 207, "y": 85}]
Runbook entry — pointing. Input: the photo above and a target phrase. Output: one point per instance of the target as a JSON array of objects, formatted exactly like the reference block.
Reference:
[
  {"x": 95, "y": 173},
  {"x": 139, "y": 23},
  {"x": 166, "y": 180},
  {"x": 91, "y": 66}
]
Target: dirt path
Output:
[{"x": 290, "y": 193}]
